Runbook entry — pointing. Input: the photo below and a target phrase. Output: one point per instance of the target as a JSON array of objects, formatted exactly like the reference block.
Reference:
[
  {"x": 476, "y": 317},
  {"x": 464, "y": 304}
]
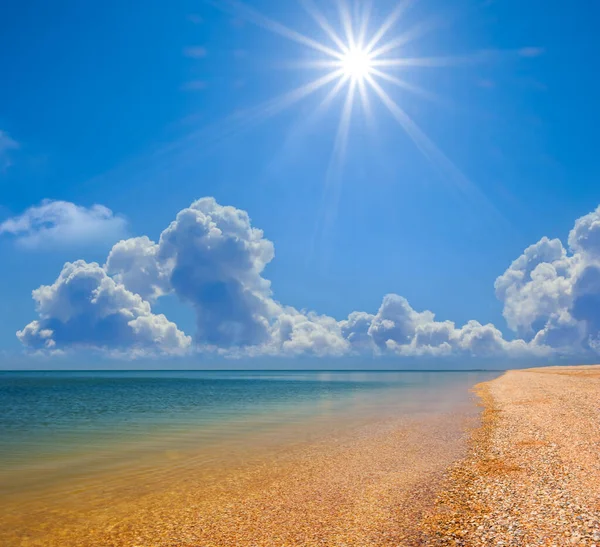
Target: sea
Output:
[{"x": 75, "y": 431}]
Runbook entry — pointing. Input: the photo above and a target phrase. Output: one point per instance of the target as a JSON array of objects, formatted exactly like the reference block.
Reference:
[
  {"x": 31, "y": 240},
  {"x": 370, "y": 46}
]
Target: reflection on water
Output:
[{"x": 62, "y": 426}]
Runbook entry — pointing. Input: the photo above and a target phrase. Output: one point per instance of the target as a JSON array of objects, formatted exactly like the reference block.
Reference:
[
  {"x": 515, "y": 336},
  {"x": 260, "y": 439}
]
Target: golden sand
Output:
[
  {"x": 532, "y": 475},
  {"x": 367, "y": 486}
]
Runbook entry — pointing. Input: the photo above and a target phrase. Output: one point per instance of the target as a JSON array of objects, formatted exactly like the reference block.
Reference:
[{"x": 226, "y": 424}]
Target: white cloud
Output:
[
  {"x": 355, "y": 329},
  {"x": 85, "y": 308},
  {"x": 535, "y": 285},
  {"x": 212, "y": 258},
  {"x": 551, "y": 295},
  {"x": 7, "y": 145},
  {"x": 585, "y": 235},
  {"x": 297, "y": 333},
  {"x": 133, "y": 262},
  {"x": 216, "y": 258},
  {"x": 399, "y": 329},
  {"x": 55, "y": 224},
  {"x": 396, "y": 321}
]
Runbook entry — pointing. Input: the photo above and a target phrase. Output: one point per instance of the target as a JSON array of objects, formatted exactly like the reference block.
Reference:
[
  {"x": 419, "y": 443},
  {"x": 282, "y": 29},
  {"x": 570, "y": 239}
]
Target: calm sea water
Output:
[{"x": 61, "y": 423}]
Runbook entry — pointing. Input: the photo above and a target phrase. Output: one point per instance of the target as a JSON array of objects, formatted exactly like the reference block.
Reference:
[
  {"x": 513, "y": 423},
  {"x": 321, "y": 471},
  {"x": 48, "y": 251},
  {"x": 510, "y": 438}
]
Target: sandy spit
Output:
[{"x": 532, "y": 474}]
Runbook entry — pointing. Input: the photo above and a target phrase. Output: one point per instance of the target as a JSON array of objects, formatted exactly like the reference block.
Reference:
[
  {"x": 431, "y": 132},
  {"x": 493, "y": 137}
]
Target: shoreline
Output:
[{"x": 532, "y": 473}]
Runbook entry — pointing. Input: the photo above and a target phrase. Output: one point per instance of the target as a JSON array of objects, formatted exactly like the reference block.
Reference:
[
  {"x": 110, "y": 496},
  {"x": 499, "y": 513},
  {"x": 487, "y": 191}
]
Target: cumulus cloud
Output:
[
  {"x": 585, "y": 235},
  {"x": 355, "y": 329},
  {"x": 399, "y": 329},
  {"x": 551, "y": 295},
  {"x": 7, "y": 145},
  {"x": 297, "y": 333},
  {"x": 54, "y": 224},
  {"x": 535, "y": 285},
  {"x": 85, "y": 308},
  {"x": 213, "y": 259},
  {"x": 133, "y": 263},
  {"x": 396, "y": 321}
]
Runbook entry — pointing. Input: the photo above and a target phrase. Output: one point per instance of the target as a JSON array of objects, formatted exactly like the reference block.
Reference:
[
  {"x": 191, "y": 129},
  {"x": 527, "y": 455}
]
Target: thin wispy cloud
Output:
[
  {"x": 531, "y": 51},
  {"x": 486, "y": 83},
  {"x": 61, "y": 224},
  {"x": 7, "y": 146},
  {"x": 195, "y": 52},
  {"x": 195, "y": 85}
]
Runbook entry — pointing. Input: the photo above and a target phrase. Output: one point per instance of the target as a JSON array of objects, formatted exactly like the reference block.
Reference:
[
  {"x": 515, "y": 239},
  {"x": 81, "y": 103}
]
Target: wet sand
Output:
[
  {"x": 369, "y": 485},
  {"x": 532, "y": 474}
]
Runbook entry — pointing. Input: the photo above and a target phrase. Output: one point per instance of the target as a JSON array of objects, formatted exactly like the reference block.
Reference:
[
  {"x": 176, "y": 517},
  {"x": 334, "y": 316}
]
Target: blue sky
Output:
[{"x": 122, "y": 117}]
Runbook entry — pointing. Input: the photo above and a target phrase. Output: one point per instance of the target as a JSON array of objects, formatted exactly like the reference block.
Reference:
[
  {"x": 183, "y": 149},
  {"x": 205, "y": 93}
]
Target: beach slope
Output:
[{"x": 532, "y": 476}]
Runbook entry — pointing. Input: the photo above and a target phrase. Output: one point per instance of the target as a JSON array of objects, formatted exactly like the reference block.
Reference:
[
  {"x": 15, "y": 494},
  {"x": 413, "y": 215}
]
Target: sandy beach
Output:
[
  {"x": 532, "y": 476},
  {"x": 525, "y": 471}
]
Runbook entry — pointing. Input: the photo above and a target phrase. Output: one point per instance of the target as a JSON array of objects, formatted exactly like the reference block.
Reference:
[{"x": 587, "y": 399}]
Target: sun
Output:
[
  {"x": 356, "y": 64},
  {"x": 360, "y": 62},
  {"x": 368, "y": 67}
]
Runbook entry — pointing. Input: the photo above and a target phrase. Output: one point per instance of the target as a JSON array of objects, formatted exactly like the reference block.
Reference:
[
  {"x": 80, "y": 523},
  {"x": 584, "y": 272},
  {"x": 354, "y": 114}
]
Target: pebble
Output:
[{"x": 533, "y": 463}]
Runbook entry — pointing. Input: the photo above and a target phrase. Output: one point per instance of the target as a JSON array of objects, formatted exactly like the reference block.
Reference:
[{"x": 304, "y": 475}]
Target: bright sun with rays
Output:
[
  {"x": 356, "y": 64},
  {"x": 355, "y": 59},
  {"x": 360, "y": 62}
]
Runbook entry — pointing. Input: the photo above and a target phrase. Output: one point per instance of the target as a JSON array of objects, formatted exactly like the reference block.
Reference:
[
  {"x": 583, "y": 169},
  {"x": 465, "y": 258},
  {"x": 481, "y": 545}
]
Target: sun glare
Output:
[
  {"x": 356, "y": 64},
  {"x": 360, "y": 62}
]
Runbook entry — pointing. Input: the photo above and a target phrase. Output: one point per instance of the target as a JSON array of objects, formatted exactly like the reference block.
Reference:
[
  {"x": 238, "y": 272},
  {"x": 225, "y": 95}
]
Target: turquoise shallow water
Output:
[{"x": 59, "y": 423}]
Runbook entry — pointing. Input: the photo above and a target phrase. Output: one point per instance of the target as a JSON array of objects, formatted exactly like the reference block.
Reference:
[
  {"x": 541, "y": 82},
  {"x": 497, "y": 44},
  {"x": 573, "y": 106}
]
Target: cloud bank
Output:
[{"x": 213, "y": 259}]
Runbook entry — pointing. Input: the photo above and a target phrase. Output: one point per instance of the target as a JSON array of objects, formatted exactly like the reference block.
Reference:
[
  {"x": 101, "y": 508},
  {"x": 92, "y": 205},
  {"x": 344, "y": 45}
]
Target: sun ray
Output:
[
  {"x": 332, "y": 94},
  {"x": 316, "y": 14},
  {"x": 327, "y": 100},
  {"x": 431, "y": 62},
  {"x": 288, "y": 99},
  {"x": 427, "y": 147},
  {"x": 346, "y": 19},
  {"x": 343, "y": 130},
  {"x": 257, "y": 18},
  {"x": 364, "y": 25},
  {"x": 417, "y": 31},
  {"x": 358, "y": 61},
  {"x": 304, "y": 123},
  {"x": 332, "y": 189},
  {"x": 364, "y": 99},
  {"x": 316, "y": 63},
  {"x": 388, "y": 23},
  {"x": 406, "y": 85},
  {"x": 344, "y": 127},
  {"x": 238, "y": 122}
]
